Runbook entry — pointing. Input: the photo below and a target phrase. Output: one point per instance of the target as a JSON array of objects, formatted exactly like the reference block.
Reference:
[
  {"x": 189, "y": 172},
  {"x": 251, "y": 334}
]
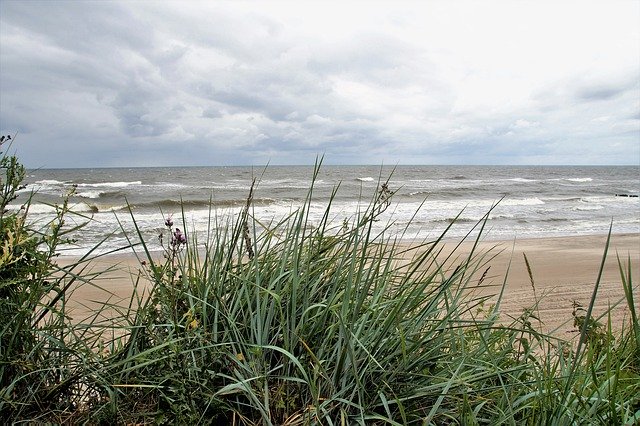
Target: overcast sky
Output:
[{"x": 103, "y": 83}]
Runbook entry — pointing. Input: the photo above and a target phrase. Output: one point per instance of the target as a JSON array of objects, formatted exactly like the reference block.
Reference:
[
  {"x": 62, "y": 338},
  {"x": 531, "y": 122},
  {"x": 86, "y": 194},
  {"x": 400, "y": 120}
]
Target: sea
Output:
[{"x": 518, "y": 201}]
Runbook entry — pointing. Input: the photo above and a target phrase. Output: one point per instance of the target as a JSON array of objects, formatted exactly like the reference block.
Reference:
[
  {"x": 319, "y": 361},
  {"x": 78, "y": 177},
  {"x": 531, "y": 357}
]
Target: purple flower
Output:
[
  {"x": 168, "y": 222},
  {"x": 178, "y": 238}
]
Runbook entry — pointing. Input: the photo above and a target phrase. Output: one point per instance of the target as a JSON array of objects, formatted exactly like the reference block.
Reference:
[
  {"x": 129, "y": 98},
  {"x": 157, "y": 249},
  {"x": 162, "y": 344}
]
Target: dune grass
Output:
[{"x": 292, "y": 323}]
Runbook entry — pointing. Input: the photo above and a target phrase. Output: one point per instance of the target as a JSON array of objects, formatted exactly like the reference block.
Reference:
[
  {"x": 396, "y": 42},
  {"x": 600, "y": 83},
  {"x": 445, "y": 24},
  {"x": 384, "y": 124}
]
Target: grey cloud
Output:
[
  {"x": 274, "y": 108},
  {"x": 383, "y": 61},
  {"x": 587, "y": 89},
  {"x": 127, "y": 81},
  {"x": 211, "y": 113},
  {"x": 600, "y": 92},
  {"x": 142, "y": 94},
  {"x": 80, "y": 26},
  {"x": 248, "y": 37}
]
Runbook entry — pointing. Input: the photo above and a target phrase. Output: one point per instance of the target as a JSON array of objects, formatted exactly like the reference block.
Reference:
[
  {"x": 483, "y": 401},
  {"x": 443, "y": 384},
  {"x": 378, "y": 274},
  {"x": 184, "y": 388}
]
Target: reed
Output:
[{"x": 297, "y": 323}]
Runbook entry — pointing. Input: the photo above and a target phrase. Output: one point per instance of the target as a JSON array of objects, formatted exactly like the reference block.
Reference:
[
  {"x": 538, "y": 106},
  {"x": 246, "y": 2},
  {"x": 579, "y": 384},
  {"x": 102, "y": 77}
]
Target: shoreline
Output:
[{"x": 564, "y": 269}]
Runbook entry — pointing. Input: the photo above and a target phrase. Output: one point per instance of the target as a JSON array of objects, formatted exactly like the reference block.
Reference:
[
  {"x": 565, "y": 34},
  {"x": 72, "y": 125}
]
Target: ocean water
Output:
[{"x": 531, "y": 201}]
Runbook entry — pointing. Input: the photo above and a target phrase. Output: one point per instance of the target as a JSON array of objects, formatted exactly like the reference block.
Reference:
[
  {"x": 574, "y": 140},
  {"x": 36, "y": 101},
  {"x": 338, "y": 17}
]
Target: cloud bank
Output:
[{"x": 90, "y": 84}]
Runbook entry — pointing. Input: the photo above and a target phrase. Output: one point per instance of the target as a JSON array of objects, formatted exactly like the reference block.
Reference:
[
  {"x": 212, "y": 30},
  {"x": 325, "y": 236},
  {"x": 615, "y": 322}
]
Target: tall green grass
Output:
[
  {"x": 294, "y": 322},
  {"x": 45, "y": 360}
]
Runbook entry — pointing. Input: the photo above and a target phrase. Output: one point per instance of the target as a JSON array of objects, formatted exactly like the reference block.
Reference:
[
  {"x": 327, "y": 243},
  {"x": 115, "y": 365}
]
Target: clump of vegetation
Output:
[
  {"x": 45, "y": 360},
  {"x": 289, "y": 323}
]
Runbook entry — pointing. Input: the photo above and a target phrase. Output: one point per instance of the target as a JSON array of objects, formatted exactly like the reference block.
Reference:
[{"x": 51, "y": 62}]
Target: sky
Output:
[{"x": 150, "y": 83}]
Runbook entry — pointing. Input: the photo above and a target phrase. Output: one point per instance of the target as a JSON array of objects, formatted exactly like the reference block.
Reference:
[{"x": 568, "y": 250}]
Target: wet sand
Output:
[{"x": 565, "y": 270}]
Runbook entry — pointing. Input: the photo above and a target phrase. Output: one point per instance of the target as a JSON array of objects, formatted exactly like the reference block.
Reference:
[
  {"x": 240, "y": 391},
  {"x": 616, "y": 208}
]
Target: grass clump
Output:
[
  {"x": 300, "y": 323},
  {"x": 48, "y": 364}
]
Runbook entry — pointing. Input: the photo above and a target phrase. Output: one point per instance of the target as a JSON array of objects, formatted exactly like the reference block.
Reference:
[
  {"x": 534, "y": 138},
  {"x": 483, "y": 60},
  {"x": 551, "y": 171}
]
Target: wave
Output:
[
  {"x": 555, "y": 219},
  {"x": 587, "y": 208},
  {"x": 94, "y": 194},
  {"x": 201, "y": 203},
  {"x": 90, "y": 194},
  {"x": 177, "y": 185},
  {"x": 40, "y": 209},
  {"x": 457, "y": 220},
  {"x": 522, "y": 180},
  {"x": 49, "y": 182},
  {"x": 46, "y": 209},
  {"x": 565, "y": 199},
  {"x": 33, "y": 208},
  {"x": 109, "y": 184},
  {"x": 157, "y": 206},
  {"x": 474, "y": 219},
  {"x": 365, "y": 179},
  {"x": 47, "y": 185},
  {"x": 579, "y": 179},
  {"x": 44, "y": 186},
  {"x": 284, "y": 182},
  {"x": 98, "y": 208},
  {"x": 501, "y": 216},
  {"x": 83, "y": 208},
  {"x": 522, "y": 202}
]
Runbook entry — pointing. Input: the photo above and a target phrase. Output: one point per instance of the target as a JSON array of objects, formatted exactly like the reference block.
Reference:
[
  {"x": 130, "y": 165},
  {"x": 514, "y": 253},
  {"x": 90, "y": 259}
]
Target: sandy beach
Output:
[{"x": 565, "y": 270}]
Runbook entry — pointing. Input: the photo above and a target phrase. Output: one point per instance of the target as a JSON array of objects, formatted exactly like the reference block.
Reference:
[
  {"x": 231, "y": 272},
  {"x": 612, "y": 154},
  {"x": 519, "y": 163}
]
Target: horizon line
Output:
[{"x": 328, "y": 165}]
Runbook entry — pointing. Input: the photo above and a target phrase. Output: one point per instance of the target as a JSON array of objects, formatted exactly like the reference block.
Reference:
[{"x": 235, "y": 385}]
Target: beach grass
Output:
[{"x": 296, "y": 323}]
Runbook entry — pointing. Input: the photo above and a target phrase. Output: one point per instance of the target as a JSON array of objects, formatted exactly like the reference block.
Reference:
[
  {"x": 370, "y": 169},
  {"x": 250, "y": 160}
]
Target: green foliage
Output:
[
  {"x": 289, "y": 323},
  {"x": 42, "y": 356}
]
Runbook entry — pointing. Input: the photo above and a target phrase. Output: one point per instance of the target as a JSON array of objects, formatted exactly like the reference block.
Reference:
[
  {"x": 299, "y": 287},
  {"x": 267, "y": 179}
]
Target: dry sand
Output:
[{"x": 565, "y": 270}]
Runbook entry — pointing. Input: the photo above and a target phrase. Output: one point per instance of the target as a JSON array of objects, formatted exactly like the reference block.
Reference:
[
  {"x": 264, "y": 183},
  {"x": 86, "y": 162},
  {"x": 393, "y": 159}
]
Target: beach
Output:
[{"x": 565, "y": 270}]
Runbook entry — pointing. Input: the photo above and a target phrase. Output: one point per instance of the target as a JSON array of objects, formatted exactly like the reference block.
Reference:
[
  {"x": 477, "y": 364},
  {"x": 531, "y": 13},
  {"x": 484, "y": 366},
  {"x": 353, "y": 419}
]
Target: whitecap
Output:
[
  {"x": 82, "y": 207},
  {"x": 522, "y": 202},
  {"x": 587, "y": 208},
  {"x": 110, "y": 184},
  {"x": 106, "y": 208},
  {"x": 176, "y": 185},
  {"x": 89, "y": 194},
  {"x": 49, "y": 182},
  {"x": 365, "y": 179},
  {"x": 579, "y": 179},
  {"x": 39, "y": 209}
]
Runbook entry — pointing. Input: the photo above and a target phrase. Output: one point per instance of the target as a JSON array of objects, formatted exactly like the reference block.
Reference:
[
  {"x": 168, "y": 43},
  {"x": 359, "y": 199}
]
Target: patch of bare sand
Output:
[
  {"x": 108, "y": 280},
  {"x": 565, "y": 270}
]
